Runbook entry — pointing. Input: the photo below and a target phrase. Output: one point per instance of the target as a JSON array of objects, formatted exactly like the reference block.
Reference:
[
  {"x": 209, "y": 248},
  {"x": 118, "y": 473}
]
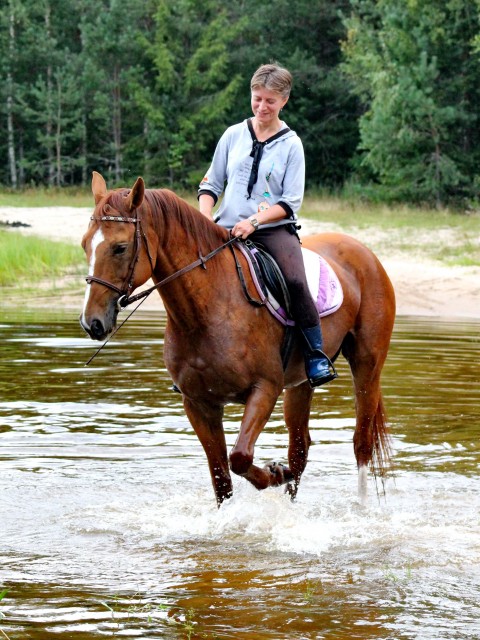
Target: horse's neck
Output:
[{"x": 190, "y": 297}]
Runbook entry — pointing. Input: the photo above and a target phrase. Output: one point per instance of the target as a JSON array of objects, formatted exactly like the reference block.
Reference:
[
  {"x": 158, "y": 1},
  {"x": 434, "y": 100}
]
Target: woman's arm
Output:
[{"x": 206, "y": 202}]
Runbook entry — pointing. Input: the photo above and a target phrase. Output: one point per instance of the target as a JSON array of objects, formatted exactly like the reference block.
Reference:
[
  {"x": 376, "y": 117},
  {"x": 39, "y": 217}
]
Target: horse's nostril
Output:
[{"x": 96, "y": 329}]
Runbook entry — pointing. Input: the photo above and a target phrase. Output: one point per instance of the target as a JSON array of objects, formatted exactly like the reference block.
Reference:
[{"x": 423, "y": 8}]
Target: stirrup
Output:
[{"x": 328, "y": 377}]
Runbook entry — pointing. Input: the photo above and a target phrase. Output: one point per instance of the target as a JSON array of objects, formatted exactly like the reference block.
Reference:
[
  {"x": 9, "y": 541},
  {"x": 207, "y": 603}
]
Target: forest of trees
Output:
[{"x": 386, "y": 96}]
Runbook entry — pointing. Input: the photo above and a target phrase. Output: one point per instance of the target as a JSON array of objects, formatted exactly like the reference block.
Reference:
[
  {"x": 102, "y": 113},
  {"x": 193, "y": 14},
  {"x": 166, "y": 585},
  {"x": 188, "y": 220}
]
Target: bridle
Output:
[
  {"x": 125, "y": 298},
  {"x": 125, "y": 290}
]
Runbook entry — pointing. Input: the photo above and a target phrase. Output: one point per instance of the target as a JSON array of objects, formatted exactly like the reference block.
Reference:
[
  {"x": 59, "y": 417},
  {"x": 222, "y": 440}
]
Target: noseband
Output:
[{"x": 125, "y": 290}]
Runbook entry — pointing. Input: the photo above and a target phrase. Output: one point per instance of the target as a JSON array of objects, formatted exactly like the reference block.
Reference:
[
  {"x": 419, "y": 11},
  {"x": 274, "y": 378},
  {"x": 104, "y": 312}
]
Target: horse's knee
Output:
[{"x": 240, "y": 462}]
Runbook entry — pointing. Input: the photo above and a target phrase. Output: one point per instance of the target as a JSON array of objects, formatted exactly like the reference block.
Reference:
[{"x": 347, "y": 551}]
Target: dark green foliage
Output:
[
  {"x": 415, "y": 70},
  {"x": 131, "y": 87}
]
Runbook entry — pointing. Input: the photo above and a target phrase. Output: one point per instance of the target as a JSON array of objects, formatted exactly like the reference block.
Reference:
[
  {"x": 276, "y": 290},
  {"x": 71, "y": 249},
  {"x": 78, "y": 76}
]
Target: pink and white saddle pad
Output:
[{"x": 324, "y": 285}]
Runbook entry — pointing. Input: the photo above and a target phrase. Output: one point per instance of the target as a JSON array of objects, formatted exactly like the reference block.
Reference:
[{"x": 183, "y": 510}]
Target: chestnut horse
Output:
[{"x": 221, "y": 349}]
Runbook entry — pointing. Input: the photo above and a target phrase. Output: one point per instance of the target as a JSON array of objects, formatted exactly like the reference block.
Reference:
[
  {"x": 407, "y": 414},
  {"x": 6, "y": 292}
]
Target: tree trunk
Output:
[
  {"x": 117, "y": 124},
  {"x": 58, "y": 136},
  {"x": 49, "y": 123},
  {"x": 84, "y": 147},
  {"x": 12, "y": 164}
]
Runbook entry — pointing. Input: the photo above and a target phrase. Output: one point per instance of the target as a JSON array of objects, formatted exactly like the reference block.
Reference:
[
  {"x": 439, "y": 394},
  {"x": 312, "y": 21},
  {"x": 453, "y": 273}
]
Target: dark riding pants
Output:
[{"x": 285, "y": 248}]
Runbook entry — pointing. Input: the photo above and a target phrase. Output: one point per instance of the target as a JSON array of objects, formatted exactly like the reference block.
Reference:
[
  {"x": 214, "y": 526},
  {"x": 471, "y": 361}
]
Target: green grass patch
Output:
[
  {"x": 358, "y": 214},
  {"x": 47, "y": 197},
  {"x": 30, "y": 259},
  {"x": 463, "y": 255},
  {"x": 448, "y": 236}
]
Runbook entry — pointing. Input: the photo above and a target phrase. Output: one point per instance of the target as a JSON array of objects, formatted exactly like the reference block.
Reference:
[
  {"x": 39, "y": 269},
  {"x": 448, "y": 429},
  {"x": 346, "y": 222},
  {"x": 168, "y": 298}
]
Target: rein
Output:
[
  {"x": 197, "y": 263},
  {"x": 126, "y": 299}
]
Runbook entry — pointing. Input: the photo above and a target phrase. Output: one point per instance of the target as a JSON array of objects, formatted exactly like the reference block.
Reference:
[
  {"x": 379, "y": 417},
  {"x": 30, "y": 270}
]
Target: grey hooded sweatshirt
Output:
[{"x": 280, "y": 178}]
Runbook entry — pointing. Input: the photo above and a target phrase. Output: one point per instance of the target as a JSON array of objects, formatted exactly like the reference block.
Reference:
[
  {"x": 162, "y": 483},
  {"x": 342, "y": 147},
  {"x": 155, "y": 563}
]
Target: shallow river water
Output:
[{"x": 109, "y": 527}]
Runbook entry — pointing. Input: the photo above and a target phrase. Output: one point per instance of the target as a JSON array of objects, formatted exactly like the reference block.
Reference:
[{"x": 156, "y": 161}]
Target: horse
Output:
[{"x": 219, "y": 348}]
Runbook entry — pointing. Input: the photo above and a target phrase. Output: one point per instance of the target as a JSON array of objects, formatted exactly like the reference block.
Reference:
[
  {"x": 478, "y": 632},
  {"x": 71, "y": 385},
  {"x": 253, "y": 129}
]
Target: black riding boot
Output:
[{"x": 318, "y": 366}]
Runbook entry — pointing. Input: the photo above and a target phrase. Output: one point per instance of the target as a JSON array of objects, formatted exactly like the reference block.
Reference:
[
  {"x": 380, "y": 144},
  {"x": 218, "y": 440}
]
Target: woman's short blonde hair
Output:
[{"x": 274, "y": 78}]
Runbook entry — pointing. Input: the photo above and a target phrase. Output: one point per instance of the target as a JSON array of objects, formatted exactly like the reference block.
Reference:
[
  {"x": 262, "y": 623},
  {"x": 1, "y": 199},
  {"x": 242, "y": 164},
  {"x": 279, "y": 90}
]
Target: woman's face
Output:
[{"x": 266, "y": 105}]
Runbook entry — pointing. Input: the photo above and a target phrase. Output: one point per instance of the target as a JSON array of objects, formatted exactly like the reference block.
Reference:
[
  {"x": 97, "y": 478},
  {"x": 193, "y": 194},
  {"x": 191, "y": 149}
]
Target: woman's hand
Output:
[{"x": 243, "y": 229}]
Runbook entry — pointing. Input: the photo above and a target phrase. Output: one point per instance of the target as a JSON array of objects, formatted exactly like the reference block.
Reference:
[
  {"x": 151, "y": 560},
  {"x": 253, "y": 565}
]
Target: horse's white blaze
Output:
[
  {"x": 362, "y": 484},
  {"x": 96, "y": 240}
]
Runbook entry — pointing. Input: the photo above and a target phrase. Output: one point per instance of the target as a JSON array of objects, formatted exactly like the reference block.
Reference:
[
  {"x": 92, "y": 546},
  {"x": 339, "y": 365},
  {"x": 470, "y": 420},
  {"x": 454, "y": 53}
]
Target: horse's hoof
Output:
[
  {"x": 280, "y": 472},
  {"x": 291, "y": 489}
]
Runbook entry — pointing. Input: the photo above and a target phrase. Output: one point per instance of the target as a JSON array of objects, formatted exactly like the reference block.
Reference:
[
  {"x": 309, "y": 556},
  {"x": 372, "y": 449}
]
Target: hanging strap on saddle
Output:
[
  {"x": 271, "y": 281},
  {"x": 243, "y": 282}
]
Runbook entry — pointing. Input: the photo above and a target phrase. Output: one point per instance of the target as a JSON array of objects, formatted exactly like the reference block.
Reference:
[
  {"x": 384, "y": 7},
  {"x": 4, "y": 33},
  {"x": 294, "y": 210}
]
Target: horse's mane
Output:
[
  {"x": 174, "y": 220},
  {"x": 166, "y": 205}
]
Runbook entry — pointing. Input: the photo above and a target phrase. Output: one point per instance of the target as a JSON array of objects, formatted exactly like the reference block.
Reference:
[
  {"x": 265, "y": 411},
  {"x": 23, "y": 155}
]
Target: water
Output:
[{"x": 108, "y": 523}]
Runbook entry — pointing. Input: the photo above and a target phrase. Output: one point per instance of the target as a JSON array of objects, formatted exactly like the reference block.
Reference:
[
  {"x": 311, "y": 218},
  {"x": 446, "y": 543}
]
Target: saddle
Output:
[
  {"x": 323, "y": 282},
  {"x": 324, "y": 285}
]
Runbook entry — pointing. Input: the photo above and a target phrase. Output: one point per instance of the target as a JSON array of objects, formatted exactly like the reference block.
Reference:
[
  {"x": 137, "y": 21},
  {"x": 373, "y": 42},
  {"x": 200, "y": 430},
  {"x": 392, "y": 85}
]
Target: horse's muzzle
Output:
[{"x": 95, "y": 329}]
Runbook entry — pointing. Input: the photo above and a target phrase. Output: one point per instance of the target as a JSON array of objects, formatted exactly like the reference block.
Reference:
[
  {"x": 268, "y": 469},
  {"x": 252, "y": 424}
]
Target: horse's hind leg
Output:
[
  {"x": 371, "y": 439},
  {"x": 207, "y": 422},
  {"x": 296, "y": 408}
]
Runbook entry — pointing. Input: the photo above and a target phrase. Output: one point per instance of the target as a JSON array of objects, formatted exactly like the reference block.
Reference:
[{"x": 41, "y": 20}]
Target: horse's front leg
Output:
[
  {"x": 258, "y": 409},
  {"x": 207, "y": 422}
]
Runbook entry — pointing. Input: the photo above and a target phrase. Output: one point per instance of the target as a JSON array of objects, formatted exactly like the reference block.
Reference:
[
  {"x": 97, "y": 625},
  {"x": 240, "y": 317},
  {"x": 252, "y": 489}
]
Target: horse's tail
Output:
[{"x": 381, "y": 462}]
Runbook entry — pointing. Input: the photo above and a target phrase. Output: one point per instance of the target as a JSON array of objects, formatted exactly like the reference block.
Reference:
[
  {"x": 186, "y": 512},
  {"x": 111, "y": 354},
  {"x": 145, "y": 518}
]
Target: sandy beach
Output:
[{"x": 423, "y": 287}]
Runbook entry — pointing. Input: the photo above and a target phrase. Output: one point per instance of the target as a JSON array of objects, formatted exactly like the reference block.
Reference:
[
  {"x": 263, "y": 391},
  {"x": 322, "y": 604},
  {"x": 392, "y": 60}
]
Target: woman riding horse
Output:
[{"x": 262, "y": 162}]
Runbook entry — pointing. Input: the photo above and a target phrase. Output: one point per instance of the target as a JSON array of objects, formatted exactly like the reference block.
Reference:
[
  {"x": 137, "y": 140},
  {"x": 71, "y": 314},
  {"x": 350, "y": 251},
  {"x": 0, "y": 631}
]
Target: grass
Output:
[
  {"x": 448, "y": 236},
  {"x": 29, "y": 259},
  {"x": 360, "y": 214},
  {"x": 47, "y": 197}
]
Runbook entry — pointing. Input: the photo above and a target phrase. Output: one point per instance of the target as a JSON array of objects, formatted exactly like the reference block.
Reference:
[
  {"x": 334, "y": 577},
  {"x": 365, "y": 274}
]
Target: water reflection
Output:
[{"x": 109, "y": 526}]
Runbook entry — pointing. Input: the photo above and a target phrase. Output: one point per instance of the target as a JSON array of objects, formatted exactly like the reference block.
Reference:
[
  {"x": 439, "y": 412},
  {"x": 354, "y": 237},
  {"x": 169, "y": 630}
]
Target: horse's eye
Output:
[{"x": 119, "y": 249}]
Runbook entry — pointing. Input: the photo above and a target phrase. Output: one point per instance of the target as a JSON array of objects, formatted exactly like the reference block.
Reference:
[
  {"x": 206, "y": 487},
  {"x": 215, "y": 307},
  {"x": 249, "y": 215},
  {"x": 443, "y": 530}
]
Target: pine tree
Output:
[{"x": 412, "y": 66}]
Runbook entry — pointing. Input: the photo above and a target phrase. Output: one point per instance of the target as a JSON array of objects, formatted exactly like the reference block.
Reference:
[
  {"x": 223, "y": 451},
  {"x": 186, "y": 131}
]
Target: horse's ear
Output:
[
  {"x": 99, "y": 186},
  {"x": 135, "y": 197}
]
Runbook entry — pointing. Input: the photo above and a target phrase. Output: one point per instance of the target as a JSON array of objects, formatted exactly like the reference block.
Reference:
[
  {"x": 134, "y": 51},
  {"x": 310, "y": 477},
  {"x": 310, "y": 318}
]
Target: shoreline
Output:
[{"x": 422, "y": 287}]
